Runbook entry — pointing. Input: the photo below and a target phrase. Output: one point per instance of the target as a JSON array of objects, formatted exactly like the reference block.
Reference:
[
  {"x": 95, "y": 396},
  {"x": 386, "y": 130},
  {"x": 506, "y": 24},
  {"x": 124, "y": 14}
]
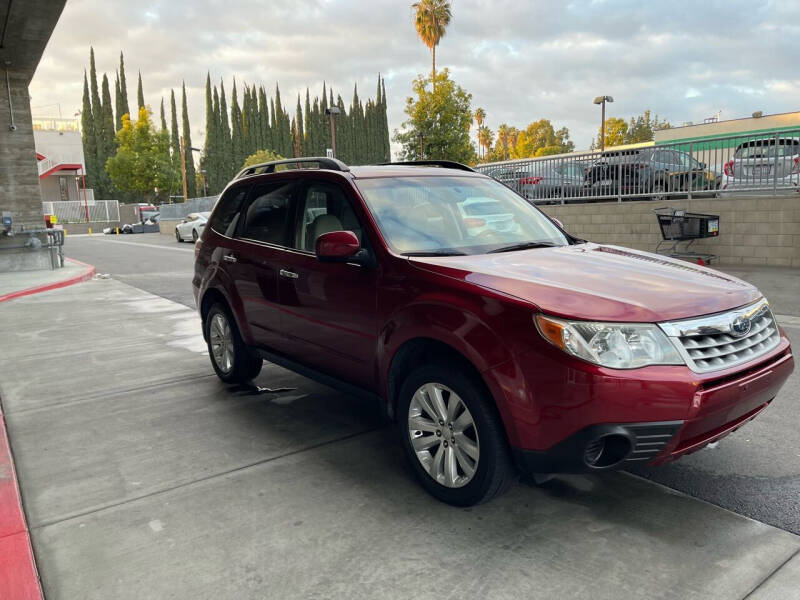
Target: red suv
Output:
[{"x": 497, "y": 341}]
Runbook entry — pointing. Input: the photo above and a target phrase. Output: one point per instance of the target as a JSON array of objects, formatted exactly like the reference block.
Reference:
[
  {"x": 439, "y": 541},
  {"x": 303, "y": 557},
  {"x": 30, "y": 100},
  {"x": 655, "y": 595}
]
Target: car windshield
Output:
[{"x": 454, "y": 215}]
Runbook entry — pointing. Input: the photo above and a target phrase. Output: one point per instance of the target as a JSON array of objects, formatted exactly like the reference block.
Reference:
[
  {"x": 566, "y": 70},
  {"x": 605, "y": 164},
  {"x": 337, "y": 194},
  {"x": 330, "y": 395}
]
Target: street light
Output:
[
  {"x": 332, "y": 112},
  {"x": 602, "y": 100}
]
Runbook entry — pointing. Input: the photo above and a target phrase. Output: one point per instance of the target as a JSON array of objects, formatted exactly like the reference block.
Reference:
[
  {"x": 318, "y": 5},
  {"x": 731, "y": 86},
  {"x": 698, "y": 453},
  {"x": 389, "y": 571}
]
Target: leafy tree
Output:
[
  {"x": 616, "y": 131},
  {"x": 643, "y": 127},
  {"x": 260, "y": 156},
  {"x": 187, "y": 142},
  {"x": 480, "y": 117},
  {"x": 540, "y": 138},
  {"x": 142, "y": 162},
  {"x": 438, "y": 121},
  {"x": 431, "y": 18},
  {"x": 506, "y": 140}
]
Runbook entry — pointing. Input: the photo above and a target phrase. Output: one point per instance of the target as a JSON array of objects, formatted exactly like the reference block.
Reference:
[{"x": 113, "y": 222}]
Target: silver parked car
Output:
[
  {"x": 762, "y": 166},
  {"x": 552, "y": 179}
]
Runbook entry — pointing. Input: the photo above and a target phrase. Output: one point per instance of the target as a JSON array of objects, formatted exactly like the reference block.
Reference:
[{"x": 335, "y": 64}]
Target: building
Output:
[
  {"x": 761, "y": 124},
  {"x": 60, "y": 161}
]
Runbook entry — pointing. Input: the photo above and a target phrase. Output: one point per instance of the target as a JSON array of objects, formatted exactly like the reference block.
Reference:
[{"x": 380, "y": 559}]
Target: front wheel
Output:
[
  {"x": 453, "y": 437},
  {"x": 178, "y": 236},
  {"x": 232, "y": 360},
  {"x": 194, "y": 235}
]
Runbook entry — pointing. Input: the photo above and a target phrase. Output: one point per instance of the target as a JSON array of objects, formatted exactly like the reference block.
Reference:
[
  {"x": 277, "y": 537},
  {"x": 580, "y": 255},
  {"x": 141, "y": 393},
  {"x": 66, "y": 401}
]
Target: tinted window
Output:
[
  {"x": 223, "y": 218},
  {"x": 269, "y": 213},
  {"x": 324, "y": 208}
]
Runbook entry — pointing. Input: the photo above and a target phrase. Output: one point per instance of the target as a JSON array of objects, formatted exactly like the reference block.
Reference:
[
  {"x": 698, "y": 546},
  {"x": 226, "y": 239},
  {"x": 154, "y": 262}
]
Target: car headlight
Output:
[{"x": 614, "y": 345}]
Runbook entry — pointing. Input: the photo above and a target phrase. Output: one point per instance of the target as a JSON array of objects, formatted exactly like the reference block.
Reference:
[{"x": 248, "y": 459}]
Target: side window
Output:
[
  {"x": 225, "y": 216},
  {"x": 268, "y": 214},
  {"x": 323, "y": 208}
]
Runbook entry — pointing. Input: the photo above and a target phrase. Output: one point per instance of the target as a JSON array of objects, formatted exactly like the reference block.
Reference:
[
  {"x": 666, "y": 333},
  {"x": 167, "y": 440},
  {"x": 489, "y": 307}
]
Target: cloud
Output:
[{"x": 522, "y": 61}]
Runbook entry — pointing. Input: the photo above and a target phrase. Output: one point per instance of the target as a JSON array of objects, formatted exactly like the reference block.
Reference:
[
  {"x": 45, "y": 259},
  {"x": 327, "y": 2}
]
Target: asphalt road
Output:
[{"x": 754, "y": 472}]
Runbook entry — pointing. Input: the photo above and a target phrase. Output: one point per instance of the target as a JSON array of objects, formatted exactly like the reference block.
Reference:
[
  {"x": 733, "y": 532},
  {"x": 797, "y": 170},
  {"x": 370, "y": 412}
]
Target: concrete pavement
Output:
[{"x": 144, "y": 477}]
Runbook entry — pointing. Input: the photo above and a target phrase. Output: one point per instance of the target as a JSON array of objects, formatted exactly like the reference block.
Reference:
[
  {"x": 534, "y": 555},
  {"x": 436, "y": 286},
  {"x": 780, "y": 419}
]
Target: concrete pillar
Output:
[{"x": 19, "y": 178}]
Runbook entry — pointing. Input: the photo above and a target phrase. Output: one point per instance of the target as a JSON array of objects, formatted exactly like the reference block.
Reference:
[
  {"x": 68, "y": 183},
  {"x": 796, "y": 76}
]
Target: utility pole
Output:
[
  {"x": 332, "y": 111},
  {"x": 602, "y": 101},
  {"x": 183, "y": 170}
]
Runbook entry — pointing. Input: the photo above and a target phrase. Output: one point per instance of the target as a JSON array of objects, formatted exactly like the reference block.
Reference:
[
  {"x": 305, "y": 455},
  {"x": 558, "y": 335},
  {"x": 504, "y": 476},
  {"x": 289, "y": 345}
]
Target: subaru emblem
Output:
[{"x": 741, "y": 326}]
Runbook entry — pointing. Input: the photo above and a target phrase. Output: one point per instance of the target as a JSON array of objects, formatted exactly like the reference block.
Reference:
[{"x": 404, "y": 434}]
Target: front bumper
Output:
[{"x": 652, "y": 415}]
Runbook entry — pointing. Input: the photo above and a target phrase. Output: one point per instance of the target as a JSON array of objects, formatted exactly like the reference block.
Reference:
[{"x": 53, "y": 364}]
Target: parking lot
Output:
[{"x": 179, "y": 486}]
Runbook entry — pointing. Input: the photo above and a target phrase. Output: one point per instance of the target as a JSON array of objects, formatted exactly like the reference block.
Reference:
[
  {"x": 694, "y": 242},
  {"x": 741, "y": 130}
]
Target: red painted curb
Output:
[
  {"x": 19, "y": 579},
  {"x": 87, "y": 274}
]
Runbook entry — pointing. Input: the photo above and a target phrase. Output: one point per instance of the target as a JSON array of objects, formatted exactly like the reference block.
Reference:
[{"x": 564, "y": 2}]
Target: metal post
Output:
[
  {"x": 85, "y": 200},
  {"x": 619, "y": 180},
  {"x": 183, "y": 170},
  {"x": 333, "y": 136},
  {"x": 775, "y": 169},
  {"x": 603, "y": 127},
  {"x": 690, "y": 174}
]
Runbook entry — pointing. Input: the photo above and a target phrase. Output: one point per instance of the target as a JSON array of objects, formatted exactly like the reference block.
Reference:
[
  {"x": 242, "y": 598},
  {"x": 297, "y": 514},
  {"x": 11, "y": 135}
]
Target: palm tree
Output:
[
  {"x": 480, "y": 116},
  {"x": 431, "y": 20},
  {"x": 485, "y": 137},
  {"x": 503, "y": 134}
]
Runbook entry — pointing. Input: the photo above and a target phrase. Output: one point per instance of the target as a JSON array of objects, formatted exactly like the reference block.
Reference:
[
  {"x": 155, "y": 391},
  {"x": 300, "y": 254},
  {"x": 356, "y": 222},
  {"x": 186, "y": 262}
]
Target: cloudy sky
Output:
[{"x": 521, "y": 60}]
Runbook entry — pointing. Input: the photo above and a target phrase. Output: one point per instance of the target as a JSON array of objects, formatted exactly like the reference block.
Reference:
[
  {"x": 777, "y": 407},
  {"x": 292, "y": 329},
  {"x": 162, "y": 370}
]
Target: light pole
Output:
[
  {"x": 205, "y": 182},
  {"x": 602, "y": 100},
  {"x": 332, "y": 111}
]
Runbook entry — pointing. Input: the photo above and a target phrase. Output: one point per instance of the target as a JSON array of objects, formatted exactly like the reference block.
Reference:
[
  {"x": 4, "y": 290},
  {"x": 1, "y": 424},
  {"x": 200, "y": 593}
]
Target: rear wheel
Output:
[
  {"x": 453, "y": 437},
  {"x": 232, "y": 360},
  {"x": 659, "y": 191}
]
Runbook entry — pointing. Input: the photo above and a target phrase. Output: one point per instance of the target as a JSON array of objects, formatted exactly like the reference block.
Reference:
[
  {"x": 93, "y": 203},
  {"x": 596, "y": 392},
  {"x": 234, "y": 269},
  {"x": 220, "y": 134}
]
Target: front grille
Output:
[{"x": 727, "y": 339}]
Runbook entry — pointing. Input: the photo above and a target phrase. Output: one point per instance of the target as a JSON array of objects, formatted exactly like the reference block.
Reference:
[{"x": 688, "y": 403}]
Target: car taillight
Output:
[
  {"x": 729, "y": 168},
  {"x": 796, "y": 165},
  {"x": 530, "y": 180},
  {"x": 197, "y": 245}
]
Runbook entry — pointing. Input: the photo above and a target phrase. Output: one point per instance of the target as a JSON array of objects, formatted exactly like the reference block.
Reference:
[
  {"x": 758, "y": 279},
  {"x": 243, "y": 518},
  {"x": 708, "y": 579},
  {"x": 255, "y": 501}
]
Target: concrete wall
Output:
[
  {"x": 753, "y": 231},
  {"x": 729, "y": 127}
]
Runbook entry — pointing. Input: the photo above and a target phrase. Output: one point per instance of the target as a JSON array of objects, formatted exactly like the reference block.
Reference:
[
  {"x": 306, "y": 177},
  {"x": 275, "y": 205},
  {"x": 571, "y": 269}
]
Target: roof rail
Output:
[
  {"x": 269, "y": 167},
  {"x": 445, "y": 164}
]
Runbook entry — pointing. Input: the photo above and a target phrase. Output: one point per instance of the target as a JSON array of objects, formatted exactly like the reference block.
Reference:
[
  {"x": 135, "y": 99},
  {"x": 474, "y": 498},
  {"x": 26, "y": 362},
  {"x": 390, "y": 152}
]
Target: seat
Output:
[{"x": 321, "y": 224}]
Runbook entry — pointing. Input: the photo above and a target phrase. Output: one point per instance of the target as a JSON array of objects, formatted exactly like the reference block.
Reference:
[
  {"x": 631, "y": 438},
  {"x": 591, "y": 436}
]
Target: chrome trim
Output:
[{"x": 712, "y": 324}]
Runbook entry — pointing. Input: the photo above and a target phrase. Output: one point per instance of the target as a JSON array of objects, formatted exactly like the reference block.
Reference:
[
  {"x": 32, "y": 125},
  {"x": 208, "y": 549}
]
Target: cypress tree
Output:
[
  {"x": 323, "y": 121},
  {"x": 247, "y": 124},
  {"x": 174, "y": 136},
  {"x": 308, "y": 143},
  {"x": 187, "y": 140},
  {"x": 97, "y": 113},
  {"x": 228, "y": 167},
  {"x": 299, "y": 133},
  {"x": 140, "y": 91},
  {"x": 106, "y": 147},
  {"x": 163, "y": 117},
  {"x": 88, "y": 135},
  {"x": 117, "y": 103},
  {"x": 316, "y": 127},
  {"x": 124, "y": 109},
  {"x": 237, "y": 141},
  {"x": 219, "y": 161},
  {"x": 273, "y": 128},
  {"x": 282, "y": 142},
  {"x": 208, "y": 160},
  {"x": 263, "y": 120}
]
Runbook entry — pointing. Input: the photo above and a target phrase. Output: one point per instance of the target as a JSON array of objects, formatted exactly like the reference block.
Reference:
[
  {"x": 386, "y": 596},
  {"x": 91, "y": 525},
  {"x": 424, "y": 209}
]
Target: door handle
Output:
[
  {"x": 229, "y": 258},
  {"x": 289, "y": 274}
]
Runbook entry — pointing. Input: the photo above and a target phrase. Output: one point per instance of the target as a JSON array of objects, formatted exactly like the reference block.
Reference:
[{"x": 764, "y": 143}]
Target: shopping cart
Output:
[{"x": 681, "y": 227}]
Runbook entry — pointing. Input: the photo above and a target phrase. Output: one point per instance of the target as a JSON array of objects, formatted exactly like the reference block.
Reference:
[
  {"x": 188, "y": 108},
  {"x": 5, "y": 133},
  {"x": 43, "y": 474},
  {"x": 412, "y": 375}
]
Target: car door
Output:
[
  {"x": 262, "y": 237},
  {"x": 328, "y": 309}
]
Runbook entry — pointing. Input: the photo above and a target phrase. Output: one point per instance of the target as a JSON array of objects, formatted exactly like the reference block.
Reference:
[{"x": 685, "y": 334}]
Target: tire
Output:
[
  {"x": 658, "y": 192},
  {"x": 178, "y": 236},
  {"x": 234, "y": 362},
  {"x": 492, "y": 473},
  {"x": 194, "y": 235}
]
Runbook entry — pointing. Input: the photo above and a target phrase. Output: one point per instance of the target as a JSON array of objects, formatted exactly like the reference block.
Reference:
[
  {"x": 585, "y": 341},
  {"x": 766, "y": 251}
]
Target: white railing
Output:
[{"x": 77, "y": 211}]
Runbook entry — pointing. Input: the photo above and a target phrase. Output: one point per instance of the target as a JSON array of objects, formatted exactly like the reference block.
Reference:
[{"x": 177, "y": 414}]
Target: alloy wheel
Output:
[
  {"x": 443, "y": 435},
  {"x": 221, "y": 338}
]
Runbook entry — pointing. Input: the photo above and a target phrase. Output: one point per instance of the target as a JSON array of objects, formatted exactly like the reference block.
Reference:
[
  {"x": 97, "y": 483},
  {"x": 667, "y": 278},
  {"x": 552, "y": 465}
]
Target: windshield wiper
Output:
[
  {"x": 525, "y": 246},
  {"x": 435, "y": 253}
]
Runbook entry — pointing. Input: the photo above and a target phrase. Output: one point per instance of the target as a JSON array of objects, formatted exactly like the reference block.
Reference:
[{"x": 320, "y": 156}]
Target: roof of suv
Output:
[{"x": 366, "y": 171}]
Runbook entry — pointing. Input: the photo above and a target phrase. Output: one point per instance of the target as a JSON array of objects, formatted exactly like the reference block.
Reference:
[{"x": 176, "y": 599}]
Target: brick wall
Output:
[{"x": 753, "y": 231}]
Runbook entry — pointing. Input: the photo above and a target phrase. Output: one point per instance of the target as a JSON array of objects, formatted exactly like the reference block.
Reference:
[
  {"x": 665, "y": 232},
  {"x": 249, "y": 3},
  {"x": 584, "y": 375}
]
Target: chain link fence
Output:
[
  {"x": 179, "y": 211},
  {"x": 765, "y": 164},
  {"x": 80, "y": 211}
]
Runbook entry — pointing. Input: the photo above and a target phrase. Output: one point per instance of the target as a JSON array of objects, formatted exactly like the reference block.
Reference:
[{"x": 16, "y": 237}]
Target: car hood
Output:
[{"x": 599, "y": 282}]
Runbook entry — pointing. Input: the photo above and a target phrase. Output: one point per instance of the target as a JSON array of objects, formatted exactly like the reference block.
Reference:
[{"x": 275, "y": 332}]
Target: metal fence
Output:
[
  {"x": 180, "y": 210},
  {"x": 765, "y": 164},
  {"x": 77, "y": 211}
]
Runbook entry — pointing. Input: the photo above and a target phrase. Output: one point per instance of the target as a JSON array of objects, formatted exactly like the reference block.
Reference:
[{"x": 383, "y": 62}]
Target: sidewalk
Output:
[
  {"x": 16, "y": 284},
  {"x": 144, "y": 477}
]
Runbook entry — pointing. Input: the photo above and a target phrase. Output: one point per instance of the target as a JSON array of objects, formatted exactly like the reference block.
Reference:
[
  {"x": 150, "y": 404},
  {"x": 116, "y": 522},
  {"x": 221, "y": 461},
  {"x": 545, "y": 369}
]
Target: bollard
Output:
[
  {"x": 90, "y": 231},
  {"x": 117, "y": 228}
]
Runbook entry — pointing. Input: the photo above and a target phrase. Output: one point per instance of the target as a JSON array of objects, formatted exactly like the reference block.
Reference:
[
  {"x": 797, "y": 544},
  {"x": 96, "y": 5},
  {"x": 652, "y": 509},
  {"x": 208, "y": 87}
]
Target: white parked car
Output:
[
  {"x": 763, "y": 166},
  {"x": 191, "y": 227}
]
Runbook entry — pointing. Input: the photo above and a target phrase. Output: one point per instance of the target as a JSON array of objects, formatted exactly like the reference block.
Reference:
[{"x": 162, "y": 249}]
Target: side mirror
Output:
[
  {"x": 338, "y": 246},
  {"x": 557, "y": 222},
  {"x": 183, "y": 221}
]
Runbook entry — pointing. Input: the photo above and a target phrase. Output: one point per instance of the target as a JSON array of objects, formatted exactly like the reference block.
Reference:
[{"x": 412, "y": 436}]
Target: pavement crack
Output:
[
  {"x": 772, "y": 573},
  {"x": 112, "y": 505}
]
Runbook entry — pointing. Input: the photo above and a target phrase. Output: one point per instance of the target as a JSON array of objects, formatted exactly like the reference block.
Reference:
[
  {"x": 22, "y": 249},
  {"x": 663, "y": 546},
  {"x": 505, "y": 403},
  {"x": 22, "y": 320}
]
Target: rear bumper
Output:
[{"x": 711, "y": 409}]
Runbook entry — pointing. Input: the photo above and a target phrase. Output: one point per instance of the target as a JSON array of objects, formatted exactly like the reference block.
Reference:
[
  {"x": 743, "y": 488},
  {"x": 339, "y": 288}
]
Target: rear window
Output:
[
  {"x": 768, "y": 149},
  {"x": 223, "y": 219}
]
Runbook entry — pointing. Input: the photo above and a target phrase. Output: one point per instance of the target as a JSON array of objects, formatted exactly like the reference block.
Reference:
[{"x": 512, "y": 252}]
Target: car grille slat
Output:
[{"x": 711, "y": 346}]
